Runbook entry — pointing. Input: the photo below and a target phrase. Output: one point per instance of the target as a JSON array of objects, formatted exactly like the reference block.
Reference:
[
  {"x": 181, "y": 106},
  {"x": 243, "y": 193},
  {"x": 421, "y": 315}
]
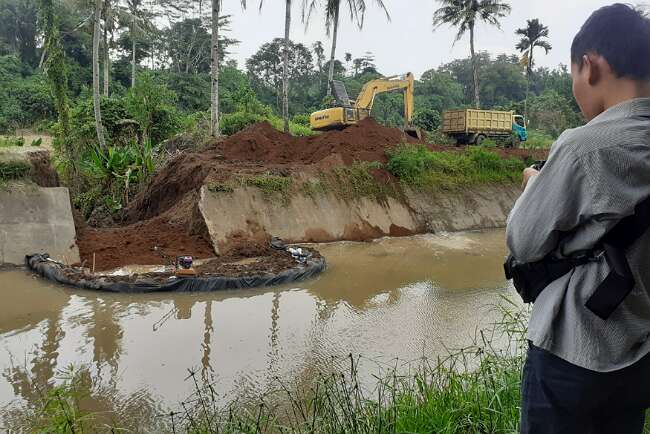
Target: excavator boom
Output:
[{"x": 366, "y": 97}]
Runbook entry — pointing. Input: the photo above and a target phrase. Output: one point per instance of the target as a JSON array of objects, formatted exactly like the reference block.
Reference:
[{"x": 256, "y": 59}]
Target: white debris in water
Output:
[
  {"x": 452, "y": 241},
  {"x": 137, "y": 269}
]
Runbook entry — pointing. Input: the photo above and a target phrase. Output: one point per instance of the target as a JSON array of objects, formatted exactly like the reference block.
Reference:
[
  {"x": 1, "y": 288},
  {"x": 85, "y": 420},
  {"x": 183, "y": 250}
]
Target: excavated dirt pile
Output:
[
  {"x": 261, "y": 148},
  {"x": 365, "y": 141}
]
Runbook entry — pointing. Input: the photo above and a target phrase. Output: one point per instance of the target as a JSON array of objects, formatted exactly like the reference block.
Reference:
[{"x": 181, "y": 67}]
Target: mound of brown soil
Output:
[
  {"x": 181, "y": 175},
  {"x": 260, "y": 148},
  {"x": 365, "y": 141},
  {"x": 134, "y": 244}
]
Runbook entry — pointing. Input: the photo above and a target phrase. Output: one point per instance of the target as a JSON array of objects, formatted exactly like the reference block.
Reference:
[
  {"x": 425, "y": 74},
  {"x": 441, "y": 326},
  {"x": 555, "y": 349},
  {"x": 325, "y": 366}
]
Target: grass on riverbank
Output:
[
  {"x": 417, "y": 166},
  {"x": 13, "y": 169},
  {"x": 473, "y": 390}
]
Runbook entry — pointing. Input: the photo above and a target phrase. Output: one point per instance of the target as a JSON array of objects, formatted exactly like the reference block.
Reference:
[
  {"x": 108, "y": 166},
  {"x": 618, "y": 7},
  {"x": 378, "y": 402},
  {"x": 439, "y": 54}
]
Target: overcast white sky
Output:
[{"x": 407, "y": 42}]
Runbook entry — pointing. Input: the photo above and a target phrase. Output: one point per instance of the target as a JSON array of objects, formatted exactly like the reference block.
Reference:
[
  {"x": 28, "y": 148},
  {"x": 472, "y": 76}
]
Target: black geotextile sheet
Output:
[{"x": 54, "y": 271}]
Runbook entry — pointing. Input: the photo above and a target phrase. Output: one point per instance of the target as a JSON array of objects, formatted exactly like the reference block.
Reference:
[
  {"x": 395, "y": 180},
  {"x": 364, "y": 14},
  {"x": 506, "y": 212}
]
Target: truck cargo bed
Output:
[{"x": 477, "y": 121}]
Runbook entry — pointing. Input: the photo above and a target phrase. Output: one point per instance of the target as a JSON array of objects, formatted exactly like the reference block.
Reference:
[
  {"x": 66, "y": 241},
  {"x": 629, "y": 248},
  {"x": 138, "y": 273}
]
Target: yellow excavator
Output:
[{"x": 347, "y": 112}]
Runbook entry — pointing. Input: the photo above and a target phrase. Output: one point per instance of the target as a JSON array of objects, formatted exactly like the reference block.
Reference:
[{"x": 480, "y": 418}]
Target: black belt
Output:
[{"x": 531, "y": 278}]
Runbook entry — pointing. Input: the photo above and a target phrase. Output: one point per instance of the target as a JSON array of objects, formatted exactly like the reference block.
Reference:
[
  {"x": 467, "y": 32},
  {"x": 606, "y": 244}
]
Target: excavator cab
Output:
[{"x": 340, "y": 94}]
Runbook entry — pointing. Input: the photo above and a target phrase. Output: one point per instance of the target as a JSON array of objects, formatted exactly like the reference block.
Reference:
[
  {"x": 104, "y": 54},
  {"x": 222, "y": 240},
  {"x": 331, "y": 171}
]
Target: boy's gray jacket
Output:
[{"x": 594, "y": 177}]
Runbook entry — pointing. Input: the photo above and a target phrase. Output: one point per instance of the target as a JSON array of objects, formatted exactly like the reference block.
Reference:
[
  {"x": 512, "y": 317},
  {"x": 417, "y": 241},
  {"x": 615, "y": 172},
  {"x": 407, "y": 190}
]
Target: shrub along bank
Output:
[{"x": 419, "y": 167}]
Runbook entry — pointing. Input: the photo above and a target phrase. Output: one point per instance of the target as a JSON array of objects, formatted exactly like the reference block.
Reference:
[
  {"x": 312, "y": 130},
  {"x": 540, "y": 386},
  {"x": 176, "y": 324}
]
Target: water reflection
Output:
[{"x": 392, "y": 298}]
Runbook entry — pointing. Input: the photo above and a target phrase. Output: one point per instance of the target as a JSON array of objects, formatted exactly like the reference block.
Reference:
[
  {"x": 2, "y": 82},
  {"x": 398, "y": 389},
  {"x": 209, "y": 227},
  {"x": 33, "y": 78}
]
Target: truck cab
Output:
[{"x": 519, "y": 128}]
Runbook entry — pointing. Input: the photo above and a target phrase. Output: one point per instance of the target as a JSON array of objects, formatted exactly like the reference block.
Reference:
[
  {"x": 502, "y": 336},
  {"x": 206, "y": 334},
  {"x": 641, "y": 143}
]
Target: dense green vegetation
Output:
[
  {"x": 155, "y": 84},
  {"x": 419, "y": 167},
  {"x": 10, "y": 170},
  {"x": 254, "y": 88}
]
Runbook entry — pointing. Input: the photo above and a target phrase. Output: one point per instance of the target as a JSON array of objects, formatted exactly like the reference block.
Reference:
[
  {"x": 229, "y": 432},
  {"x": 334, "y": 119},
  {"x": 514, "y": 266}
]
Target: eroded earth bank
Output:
[{"x": 231, "y": 198}]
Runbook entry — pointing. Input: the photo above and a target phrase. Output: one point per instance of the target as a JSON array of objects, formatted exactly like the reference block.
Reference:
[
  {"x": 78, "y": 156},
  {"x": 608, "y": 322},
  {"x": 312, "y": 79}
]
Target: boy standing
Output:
[{"x": 588, "y": 365}]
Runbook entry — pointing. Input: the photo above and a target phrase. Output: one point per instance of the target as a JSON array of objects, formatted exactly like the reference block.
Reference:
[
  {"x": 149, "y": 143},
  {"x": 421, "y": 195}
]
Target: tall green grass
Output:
[
  {"x": 471, "y": 390},
  {"x": 537, "y": 140},
  {"x": 417, "y": 166},
  {"x": 13, "y": 169},
  {"x": 8, "y": 141}
]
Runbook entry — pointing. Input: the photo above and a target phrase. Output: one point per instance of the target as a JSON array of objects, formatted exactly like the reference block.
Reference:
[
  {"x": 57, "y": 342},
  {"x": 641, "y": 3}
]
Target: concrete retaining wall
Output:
[
  {"x": 247, "y": 213},
  {"x": 36, "y": 220}
]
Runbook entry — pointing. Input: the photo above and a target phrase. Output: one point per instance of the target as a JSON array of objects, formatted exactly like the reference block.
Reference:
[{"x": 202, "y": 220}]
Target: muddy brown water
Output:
[{"x": 395, "y": 298}]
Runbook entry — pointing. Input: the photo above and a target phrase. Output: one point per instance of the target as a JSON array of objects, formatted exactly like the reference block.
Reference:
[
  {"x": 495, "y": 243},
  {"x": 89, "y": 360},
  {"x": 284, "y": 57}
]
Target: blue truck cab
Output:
[{"x": 519, "y": 128}]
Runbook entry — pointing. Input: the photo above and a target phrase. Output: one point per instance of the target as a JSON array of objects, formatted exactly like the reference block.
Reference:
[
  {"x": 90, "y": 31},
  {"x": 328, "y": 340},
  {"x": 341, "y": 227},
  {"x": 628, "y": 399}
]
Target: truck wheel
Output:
[
  {"x": 478, "y": 141},
  {"x": 516, "y": 142}
]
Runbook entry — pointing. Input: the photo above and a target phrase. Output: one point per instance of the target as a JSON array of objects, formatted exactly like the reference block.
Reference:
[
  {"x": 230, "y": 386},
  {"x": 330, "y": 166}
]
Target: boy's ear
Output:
[{"x": 592, "y": 68}]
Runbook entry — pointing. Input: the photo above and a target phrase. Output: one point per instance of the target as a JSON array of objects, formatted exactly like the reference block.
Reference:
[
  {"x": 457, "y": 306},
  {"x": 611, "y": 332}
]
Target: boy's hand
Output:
[{"x": 529, "y": 172}]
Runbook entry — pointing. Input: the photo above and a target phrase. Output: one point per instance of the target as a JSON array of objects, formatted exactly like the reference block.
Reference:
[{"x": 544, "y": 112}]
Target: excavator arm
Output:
[{"x": 366, "y": 97}]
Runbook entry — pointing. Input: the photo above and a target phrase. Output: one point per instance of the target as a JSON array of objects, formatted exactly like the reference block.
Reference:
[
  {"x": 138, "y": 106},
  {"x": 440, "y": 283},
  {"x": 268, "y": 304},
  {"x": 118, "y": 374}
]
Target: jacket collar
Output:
[{"x": 626, "y": 109}]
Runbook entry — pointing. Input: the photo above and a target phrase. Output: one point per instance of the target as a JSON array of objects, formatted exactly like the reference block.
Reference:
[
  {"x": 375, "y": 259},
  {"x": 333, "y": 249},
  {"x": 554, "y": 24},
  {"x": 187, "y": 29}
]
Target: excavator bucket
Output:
[{"x": 416, "y": 133}]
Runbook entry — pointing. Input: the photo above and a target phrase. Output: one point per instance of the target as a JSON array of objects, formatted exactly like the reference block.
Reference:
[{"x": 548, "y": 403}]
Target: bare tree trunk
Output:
[
  {"x": 40, "y": 62},
  {"x": 330, "y": 75},
  {"x": 96, "y": 103},
  {"x": 133, "y": 53},
  {"x": 477, "y": 93},
  {"x": 285, "y": 67},
  {"x": 214, "y": 93},
  {"x": 107, "y": 61},
  {"x": 528, "y": 73}
]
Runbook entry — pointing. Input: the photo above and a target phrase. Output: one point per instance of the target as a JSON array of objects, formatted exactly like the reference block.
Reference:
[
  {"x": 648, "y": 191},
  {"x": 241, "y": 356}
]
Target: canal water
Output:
[{"x": 390, "y": 301}]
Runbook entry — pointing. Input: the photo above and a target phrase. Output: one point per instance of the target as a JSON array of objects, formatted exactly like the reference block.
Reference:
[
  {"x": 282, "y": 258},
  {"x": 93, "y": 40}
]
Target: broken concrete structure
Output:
[
  {"x": 36, "y": 220},
  {"x": 35, "y": 215}
]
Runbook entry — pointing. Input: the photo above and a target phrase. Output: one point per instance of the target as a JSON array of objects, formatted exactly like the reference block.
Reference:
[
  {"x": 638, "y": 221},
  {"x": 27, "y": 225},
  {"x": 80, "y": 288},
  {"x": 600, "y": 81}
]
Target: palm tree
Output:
[
  {"x": 96, "y": 102},
  {"x": 332, "y": 8},
  {"x": 139, "y": 22},
  {"x": 348, "y": 59},
  {"x": 533, "y": 35},
  {"x": 133, "y": 6},
  {"x": 285, "y": 67},
  {"x": 464, "y": 14},
  {"x": 214, "y": 67}
]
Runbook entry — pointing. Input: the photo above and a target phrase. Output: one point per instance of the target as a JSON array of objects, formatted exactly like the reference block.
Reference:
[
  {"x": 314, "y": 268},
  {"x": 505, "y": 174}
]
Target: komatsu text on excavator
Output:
[{"x": 347, "y": 112}]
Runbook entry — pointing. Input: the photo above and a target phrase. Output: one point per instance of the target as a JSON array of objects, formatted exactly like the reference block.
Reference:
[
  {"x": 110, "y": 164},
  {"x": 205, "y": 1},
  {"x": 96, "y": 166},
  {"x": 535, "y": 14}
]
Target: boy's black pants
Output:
[{"x": 559, "y": 397}]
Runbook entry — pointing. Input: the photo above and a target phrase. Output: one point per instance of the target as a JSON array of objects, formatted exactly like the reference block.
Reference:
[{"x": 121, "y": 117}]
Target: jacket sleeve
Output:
[{"x": 555, "y": 202}]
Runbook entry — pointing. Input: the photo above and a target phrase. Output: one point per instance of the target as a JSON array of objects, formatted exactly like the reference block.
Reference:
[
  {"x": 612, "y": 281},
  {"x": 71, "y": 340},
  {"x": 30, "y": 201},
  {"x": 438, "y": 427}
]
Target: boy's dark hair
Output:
[{"x": 621, "y": 35}]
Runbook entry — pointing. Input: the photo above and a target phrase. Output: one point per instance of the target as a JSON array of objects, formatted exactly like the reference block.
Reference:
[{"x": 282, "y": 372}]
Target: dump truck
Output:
[
  {"x": 471, "y": 126},
  {"x": 348, "y": 112}
]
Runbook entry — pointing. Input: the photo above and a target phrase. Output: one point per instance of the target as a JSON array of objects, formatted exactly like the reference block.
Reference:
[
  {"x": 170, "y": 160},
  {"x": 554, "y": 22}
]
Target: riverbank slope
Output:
[{"x": 364, "y": 182}]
